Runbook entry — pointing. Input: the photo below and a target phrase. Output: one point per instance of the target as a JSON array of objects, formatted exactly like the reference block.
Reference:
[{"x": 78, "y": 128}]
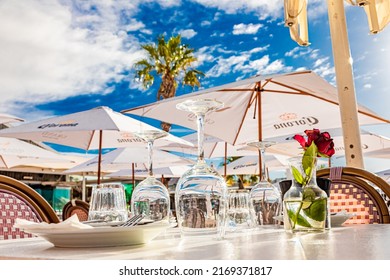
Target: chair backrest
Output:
[
  {"x": 76, "y": 207},
  {"x": 17, "y": 200},
  {"x": 353, "y": 190}
]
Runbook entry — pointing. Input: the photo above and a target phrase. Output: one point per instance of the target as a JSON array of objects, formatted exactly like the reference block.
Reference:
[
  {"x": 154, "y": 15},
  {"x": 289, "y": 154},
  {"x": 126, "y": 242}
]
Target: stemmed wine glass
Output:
[
  {"x": 150, "y": 197},
  {"x": 265, "y": 198},
  {"x": 201, "y": 193}
]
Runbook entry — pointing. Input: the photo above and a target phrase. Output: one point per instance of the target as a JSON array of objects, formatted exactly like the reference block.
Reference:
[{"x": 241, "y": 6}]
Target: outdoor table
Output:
[{"x": 355, "y": 242}]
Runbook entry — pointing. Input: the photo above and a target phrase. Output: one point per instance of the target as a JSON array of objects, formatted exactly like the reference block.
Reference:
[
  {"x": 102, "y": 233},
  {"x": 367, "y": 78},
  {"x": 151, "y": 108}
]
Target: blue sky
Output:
[{"x": 61, "y": 56}]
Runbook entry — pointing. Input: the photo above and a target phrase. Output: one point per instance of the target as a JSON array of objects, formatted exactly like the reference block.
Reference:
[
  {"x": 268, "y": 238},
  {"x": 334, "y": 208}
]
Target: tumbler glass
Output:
[{"x": 108, "y": 203}]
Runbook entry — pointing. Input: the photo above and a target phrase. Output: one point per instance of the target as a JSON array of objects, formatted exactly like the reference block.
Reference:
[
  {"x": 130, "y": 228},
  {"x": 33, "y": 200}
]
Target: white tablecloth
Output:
[{"x": 359, "y": 242}]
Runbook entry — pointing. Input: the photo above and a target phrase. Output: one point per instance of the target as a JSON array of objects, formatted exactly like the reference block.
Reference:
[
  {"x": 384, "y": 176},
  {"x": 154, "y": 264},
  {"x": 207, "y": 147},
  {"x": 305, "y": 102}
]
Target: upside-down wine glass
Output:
[
  {"x": 151, "y": 197},
  {"x": 201, "y": 193},
  {"x": 265, "y": 198}
]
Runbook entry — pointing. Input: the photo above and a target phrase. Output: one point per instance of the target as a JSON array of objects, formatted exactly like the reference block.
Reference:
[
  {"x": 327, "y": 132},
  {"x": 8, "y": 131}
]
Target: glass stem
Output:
[
  {"x": 264, "y": 175},
  {"x": 150, "y": 161},
  {"x": 200, "y": 124}
]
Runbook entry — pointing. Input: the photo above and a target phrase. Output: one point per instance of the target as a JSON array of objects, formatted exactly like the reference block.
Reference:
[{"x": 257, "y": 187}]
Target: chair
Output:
[
  {"x": 357, "y": 191},
  {"x": 78, "y": 207},
  {"x": 17, "y": 200}
]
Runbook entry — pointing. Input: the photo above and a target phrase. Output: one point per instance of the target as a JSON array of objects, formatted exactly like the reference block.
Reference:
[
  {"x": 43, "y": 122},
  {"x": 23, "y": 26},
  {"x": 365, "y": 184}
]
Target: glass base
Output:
[
  {"x": 108, "y": 216},
  {"x": 199, "y": 232}
]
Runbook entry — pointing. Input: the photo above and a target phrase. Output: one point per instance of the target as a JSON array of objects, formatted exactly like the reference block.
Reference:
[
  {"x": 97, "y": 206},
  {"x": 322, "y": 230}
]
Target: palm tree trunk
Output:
[{"x": 167, "y": 90}]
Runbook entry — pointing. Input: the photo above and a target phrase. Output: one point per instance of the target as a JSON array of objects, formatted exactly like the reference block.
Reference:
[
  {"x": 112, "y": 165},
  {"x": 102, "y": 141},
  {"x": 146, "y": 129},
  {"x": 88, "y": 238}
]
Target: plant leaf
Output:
[
  {"x": 297, "y": 175},
  {"x": 317, "y": 210},
  {"x": 303, "y": 222}
]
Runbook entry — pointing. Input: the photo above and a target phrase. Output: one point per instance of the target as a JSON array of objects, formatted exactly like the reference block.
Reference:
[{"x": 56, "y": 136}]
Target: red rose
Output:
[{"x": 322, "y": 140}]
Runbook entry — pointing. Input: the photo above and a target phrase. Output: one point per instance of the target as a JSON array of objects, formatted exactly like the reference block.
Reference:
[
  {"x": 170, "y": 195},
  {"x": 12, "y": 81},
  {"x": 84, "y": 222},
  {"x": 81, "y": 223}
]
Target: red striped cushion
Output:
[{"x": 13, "y": 206}]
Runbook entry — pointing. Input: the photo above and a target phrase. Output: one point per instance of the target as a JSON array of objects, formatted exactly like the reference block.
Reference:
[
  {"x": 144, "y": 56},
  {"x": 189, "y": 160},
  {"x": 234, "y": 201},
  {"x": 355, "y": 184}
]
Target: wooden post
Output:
[{"x": 345, "y": 84}]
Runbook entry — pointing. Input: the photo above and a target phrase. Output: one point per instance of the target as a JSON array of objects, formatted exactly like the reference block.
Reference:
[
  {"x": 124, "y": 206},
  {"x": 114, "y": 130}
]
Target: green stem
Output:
[{"x": 296, "y": 216}]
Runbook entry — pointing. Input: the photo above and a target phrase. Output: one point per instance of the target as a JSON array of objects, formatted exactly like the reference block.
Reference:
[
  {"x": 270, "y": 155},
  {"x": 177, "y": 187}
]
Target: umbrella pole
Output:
[
  {"x": 133, "y": 175},
  {"x": 100, "y": 156},
  {"x": 345, "y": 84},
  {"x": 83, "y": 189},
  {"x": 225, "y": 164},
  {"x": 259, "y": 127}
]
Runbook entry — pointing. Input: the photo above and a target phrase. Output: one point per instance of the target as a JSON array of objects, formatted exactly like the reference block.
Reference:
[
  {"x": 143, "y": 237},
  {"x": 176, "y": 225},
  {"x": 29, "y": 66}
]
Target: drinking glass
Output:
[
  {"x": 108, "y": 203},
  {"x": 265, "y": 198},
  {"x": 201, "y": 193},
  {"x": 150, "y": 197},
  {"x": 238, "y": 210}
]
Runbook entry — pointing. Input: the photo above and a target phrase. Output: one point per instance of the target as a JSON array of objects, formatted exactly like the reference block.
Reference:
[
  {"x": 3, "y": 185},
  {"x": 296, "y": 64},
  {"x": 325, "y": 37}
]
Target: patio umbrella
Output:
[
  {"x": 85, "y": 130},
  {"x": 250, "y": 164},
  {"x": 122, "y": 158},
  {"x": 370, "y": 143},
  {"x": 15, "y": 153},
  {"x": 261, "y": 108},
  {"x": 140, "y": 170},
  {"x": 213, "y": 147},
  {"x": 6, "y": 118},
  {"x": 295, "y": 17},
  {"x": 382, "y": 153}
]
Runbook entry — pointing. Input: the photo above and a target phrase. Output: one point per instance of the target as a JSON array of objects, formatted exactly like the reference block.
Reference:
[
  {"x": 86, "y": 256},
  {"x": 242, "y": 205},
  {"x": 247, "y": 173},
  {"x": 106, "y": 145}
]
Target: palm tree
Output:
[{"x": 171, "y": 60}]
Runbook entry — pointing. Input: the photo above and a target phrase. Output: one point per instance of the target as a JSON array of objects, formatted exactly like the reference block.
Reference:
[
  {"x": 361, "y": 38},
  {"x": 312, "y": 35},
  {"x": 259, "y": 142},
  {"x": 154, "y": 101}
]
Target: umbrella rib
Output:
[
  {"x": 243, "y": 118},
  {"x": 321, "y": 98}
]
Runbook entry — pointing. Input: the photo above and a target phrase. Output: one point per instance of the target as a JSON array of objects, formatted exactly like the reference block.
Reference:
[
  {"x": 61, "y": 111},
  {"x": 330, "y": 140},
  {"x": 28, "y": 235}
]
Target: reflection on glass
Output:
[
  {"x": 238, "y": 210},
  {"x": 151, "y": 197},
  {"x": 108, "y": 203},
  {"x": 201, "y": 193},
  {"x": 265, "y": 198}
]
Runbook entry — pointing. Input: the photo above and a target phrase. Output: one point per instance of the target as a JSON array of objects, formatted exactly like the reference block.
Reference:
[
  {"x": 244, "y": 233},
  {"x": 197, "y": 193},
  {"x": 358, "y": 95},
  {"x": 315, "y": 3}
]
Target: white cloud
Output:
[
  {"x": 292, "y": 52},
  {"x": 263, "y": 8},
  {"x": 166, "y": 3},
  {"x": 187, "y": 33},
  {"x": 299, "y": 52},
  {"x": 259, "y": 49},
  {"x": 204, "y": 55},
  {"x": 244, "y": 64},
  {"x": 205, "y": 23},
  {"x": 367, "y": 86},
  {"x": 320, "y": 61},
  {"x": 242, "y": 28},
  {"x": 326, "y": 71},
  {"x": 51, "y": 56},
  {"x": 227, "y": 65},
  {"x": 134, "y": 25}
]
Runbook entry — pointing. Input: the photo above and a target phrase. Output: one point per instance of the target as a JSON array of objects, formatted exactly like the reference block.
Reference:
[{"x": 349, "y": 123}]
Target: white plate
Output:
[
  {"x": 102, "y": 236},
  {"x": 340, "y": 218},
  {"x": 107, "y": 224}
]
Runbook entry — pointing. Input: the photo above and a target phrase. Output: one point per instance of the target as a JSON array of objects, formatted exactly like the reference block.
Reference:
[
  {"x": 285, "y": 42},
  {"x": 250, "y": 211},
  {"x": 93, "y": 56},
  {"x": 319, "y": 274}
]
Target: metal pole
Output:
[
  {"x": 83, "y": 189},
  {"x": 225, "y": 163},
  {"x": 345, "y": 84},
  {"x": 100, "y": 156}
]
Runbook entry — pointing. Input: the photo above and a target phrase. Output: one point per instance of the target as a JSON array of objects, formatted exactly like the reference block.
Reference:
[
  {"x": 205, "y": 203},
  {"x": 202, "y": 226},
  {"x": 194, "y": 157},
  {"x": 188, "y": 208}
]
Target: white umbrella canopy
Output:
[
  {"x": 213, "y": 147},
  {"x": 96, "y": 128},
  {"x": 371, "y": 143},
  {"x": 261, "y": 108},
  {"x": 81, "y": 130},
  {"x": 140, "y": 170},
  {"x": 383, "y": 153},
  {"x": 385, "y": 174},
  {"x": 15, "y": 153},
  {"x": 250, "y": 164},
  {"x": 6, "y": 118},
  {"x": 122, "y": 158}
]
